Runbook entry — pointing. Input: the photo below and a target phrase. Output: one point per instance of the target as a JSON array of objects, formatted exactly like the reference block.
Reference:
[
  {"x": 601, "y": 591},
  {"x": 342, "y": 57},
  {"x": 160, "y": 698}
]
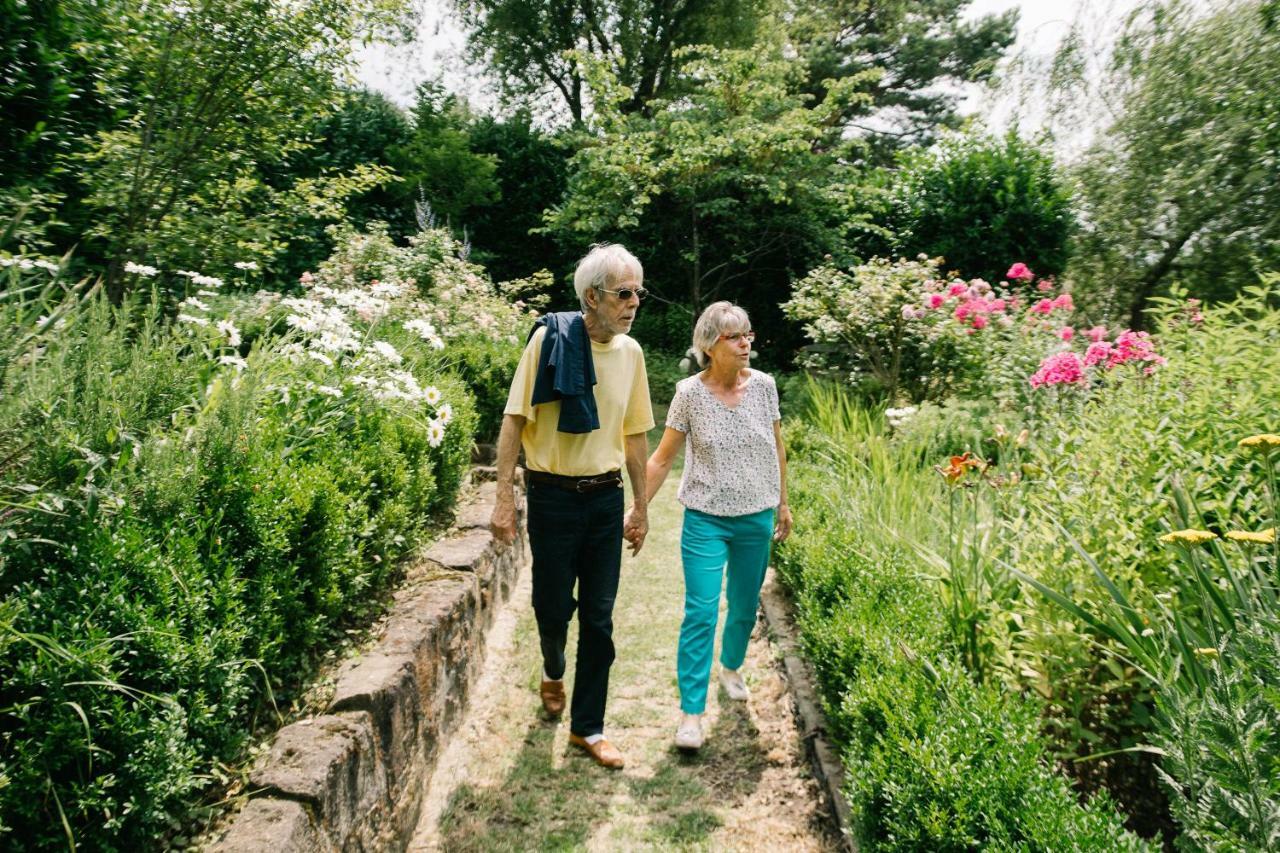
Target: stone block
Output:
[
  {"x": 331, "y": 764},
  {"x": 269, "y": 825},
  {"x": 386, "y": 687},
  {"x": 464, "y": 552}
]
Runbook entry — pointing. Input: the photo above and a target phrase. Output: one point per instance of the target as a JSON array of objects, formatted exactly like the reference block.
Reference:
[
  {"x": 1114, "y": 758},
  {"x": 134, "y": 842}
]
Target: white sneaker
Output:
[
  {"x": 689, "y": 735},
  {"x": 733, "y": 685}
]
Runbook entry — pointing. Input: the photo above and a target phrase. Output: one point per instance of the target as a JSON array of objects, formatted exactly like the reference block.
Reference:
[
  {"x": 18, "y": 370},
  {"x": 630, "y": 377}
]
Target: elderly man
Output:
[{"x": 579, "y": 405}]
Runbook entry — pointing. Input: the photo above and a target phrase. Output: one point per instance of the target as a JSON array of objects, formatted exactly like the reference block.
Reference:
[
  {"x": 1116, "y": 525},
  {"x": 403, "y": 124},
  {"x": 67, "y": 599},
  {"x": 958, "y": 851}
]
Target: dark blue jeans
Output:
[{"x": 577, "y": 538}]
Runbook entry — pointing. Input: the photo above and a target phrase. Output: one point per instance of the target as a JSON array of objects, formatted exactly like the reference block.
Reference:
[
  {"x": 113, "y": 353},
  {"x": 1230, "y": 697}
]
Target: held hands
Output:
[
  {"x": 635, "y": 528},
  {"x": 782, "y": 523}
]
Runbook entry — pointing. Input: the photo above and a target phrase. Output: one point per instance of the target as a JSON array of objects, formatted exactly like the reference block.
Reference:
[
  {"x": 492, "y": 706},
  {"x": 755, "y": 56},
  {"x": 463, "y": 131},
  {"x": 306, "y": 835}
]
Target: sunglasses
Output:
[
  {"x": 626, "y": 293},
  {"x": 737, "y": 336}
]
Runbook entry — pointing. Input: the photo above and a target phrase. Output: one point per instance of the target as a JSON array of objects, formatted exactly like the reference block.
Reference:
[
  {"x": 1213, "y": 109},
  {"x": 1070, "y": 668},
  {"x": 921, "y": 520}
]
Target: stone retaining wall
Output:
[{"x": 354, "y": 778}]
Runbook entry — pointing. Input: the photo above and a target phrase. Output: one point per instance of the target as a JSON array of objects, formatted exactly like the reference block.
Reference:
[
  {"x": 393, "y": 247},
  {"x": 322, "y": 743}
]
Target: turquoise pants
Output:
[{"x": 707, "y": 544}]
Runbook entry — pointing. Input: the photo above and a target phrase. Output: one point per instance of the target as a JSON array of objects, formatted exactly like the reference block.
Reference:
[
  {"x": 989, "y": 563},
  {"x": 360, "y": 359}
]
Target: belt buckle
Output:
[{"x": 583, "y": 485}]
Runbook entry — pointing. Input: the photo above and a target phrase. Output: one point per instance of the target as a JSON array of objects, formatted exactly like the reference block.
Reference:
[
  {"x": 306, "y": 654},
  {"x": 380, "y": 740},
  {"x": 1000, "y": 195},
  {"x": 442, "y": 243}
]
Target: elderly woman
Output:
[{"x": 735, "y": 497}]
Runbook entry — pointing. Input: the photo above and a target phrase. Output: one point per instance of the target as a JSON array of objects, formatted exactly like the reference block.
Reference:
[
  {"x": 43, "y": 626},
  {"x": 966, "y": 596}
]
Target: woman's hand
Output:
[{"x": 782, "y": 523}]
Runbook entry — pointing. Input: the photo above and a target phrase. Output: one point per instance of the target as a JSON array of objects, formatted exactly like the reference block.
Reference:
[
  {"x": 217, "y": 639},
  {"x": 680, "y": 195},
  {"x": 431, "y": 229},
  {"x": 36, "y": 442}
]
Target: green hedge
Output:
[{"x": 186, "y": 526}]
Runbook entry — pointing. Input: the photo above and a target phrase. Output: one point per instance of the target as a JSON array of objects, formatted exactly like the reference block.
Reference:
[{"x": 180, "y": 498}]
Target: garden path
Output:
[{"x": 508, "y": 780}]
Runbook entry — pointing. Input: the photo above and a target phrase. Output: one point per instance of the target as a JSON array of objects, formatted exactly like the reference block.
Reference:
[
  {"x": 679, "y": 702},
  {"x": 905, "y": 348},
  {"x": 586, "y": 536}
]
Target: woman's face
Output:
[{"x": 733, "y": 348}]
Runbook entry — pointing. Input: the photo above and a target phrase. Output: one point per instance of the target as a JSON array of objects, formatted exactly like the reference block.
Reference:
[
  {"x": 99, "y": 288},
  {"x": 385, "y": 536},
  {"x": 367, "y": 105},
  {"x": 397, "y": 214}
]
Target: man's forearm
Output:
[
  {"x": 507, "y": 453},
  {"x": 637, "y": 459}
]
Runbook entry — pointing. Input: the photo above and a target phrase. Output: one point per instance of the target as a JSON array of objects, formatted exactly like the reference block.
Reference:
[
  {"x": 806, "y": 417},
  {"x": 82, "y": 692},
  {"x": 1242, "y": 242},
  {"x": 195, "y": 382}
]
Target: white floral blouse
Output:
[{"x": 731, "y": 455}]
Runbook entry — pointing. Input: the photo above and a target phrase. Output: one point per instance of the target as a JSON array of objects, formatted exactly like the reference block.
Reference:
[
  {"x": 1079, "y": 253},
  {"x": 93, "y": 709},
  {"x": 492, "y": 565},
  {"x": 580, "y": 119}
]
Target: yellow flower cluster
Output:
[
  {"x": 1259, "y": 537},
  {"x": 1266, "y": 442},
  {"x": 1189, "y": 537}
]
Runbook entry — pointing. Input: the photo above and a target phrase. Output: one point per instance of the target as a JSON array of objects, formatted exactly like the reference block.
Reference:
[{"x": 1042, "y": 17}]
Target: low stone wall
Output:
[{"x": 354, "y": 778}]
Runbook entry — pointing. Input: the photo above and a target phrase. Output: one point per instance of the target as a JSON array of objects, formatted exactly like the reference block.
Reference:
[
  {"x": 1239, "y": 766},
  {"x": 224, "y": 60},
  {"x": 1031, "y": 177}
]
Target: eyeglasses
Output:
[
  {"x": 626, "y": 293},
  {"x": 737, "y": 336}
]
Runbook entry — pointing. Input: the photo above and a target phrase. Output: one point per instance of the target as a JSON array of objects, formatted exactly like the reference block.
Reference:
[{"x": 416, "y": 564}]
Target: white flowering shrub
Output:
[{"x": 868, "y": 330}]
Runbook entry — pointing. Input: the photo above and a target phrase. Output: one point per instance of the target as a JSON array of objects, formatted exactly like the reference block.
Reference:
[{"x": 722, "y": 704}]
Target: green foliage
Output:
[
  {"x": 721, "y": 192},
  {"x": 863, "y": 333},
  {"x": 981, "y": 203},
  {"x": 1182, "y": 187},
  {"x": 548, "y": 46},
  {"x": 919, "y": 55},
  {"x": 935, "y": 760},
  {"x": 531, "y": 175},
  {"x": 193, "y": 514}
]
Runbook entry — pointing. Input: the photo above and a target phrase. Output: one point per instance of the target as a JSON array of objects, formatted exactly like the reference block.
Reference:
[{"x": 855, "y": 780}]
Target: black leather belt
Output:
[{"x": 581, "y": 485}]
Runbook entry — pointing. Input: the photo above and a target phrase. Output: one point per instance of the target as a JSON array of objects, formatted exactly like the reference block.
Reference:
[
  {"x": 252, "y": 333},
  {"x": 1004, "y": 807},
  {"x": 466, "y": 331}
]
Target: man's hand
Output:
[
  {"x": 502, "y": 524},
  {"x": 636, "y": 527}
]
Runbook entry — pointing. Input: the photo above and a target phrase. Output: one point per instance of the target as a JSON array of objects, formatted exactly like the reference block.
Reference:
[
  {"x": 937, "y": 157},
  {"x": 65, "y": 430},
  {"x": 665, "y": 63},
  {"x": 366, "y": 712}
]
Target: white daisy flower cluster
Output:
[
  {"x": 192, "y": 311},
  {"x": 30, "y": 264},
  {"x": 140, "y": 269},
  {"x": 425, "y": 330},
  {"x": 246, "y": 266},
  {"x": 201, "y": 280}
]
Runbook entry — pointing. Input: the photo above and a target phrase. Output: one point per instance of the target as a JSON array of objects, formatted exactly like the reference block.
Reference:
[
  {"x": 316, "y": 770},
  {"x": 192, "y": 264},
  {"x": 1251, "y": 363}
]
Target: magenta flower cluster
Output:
[{"x": 976, "y": 304}]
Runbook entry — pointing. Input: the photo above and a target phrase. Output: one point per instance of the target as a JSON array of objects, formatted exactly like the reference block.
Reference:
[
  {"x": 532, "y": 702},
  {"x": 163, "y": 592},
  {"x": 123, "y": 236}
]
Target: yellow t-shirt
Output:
[{"x": 622, "y": 402}]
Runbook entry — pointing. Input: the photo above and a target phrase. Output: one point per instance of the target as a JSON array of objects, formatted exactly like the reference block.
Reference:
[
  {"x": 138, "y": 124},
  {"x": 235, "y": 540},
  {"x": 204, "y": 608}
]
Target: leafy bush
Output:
[
  {"x": 191, "y": 517},
  {"x": 978, "y": 201}
]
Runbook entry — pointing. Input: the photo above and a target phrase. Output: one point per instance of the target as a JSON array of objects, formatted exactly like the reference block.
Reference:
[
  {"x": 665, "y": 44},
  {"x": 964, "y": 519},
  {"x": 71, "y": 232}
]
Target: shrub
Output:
[
  {"x": 189, "y": 520},
  {"x": 978, "y": 201}
]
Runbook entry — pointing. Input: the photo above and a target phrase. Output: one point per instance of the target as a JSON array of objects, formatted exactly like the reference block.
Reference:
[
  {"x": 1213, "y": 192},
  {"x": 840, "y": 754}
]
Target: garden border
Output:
[
  {"x": 823, "y": 757},
  {"x": 354, "y": 778}
]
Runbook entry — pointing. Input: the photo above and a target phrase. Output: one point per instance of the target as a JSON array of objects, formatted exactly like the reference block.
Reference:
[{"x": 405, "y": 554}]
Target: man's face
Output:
[{"x": 617, "y": 314}]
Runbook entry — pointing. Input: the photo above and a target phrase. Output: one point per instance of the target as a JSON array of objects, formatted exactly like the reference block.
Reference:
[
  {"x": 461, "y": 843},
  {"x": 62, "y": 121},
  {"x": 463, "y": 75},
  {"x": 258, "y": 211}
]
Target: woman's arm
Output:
[
  {"x": 782, "y": 525},
  {"x": 662, "y": 459}
]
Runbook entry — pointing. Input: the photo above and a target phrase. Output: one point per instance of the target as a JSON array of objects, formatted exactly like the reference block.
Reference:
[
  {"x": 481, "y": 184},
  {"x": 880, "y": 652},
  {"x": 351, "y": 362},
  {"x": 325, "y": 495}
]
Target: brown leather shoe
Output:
[
  {"x": 605, "y": 753},
  {"x": 552, "y": 693}
]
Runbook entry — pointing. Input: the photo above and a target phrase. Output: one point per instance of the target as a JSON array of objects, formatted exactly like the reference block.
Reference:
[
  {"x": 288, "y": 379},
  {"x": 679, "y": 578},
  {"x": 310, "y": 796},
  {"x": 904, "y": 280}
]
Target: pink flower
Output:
[
  {"x": 1097, "y": 351},
  {"x": 1044, "y": 286},
  {"x": 1064, "y": 302},
  {"x": 1019, "y": 272},
  {"x": 979, "y": 322},
  {"x": 958, "y": 288},
  {"x": 1044, "y": 306},
  {"x": 997, "y": 306},
  {"x": 935, "y": 300},
  {"x": 306, "y": 278},
  {"x": 1066, "y": 333},
  {"x": 1096, "y": 334},
  {"x": 1063, "y": 368}
]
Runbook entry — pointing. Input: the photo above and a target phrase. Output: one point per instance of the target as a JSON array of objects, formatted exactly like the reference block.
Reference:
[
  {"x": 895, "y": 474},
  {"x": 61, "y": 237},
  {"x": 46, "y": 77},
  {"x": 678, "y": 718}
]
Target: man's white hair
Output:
[
  {"x": 603, "y": 267},
  {"x": 717, "y": 319}
]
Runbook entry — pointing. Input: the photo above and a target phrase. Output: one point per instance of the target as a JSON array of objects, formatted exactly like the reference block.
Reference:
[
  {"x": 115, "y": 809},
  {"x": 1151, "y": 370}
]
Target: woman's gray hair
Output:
[
  {"x": 603, "y": 267},
  {"x": 717, "y": 319}
]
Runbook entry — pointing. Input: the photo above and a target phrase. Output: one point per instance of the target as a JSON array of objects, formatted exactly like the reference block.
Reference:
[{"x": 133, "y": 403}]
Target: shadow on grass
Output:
[
  {"x": 688, "y": 792},
  {"x": 536, "y": 807}
]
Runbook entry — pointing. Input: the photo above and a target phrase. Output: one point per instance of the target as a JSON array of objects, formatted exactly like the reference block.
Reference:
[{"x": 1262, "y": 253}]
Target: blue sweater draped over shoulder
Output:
[{"x": 566, "y": 371}]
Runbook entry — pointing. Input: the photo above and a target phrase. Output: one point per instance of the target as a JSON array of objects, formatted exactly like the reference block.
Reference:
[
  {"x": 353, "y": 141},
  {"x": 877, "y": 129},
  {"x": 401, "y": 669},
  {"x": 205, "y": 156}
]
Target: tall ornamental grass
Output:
[{"x": 193, "y": 509}]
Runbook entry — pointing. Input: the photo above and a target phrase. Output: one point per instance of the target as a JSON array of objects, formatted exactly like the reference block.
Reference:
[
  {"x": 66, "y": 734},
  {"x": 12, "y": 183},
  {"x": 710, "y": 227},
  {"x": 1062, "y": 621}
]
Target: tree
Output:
[
  {"x": 438, "y": 162},
  {"x": 724, "y": 193},
  {"x": 1184, "y": 186},
  {"x": 542, "y": 47},
  {"x": 922, "y": 50},
  {"x": 205, "y": 93},
  {"x": 531, "y": 174},
  {"x": 981, "y": 202}
]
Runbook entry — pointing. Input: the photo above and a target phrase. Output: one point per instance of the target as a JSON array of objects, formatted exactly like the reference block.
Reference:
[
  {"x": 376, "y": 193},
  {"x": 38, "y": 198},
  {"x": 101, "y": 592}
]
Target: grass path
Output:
[{"x": 509, "y": 780}]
